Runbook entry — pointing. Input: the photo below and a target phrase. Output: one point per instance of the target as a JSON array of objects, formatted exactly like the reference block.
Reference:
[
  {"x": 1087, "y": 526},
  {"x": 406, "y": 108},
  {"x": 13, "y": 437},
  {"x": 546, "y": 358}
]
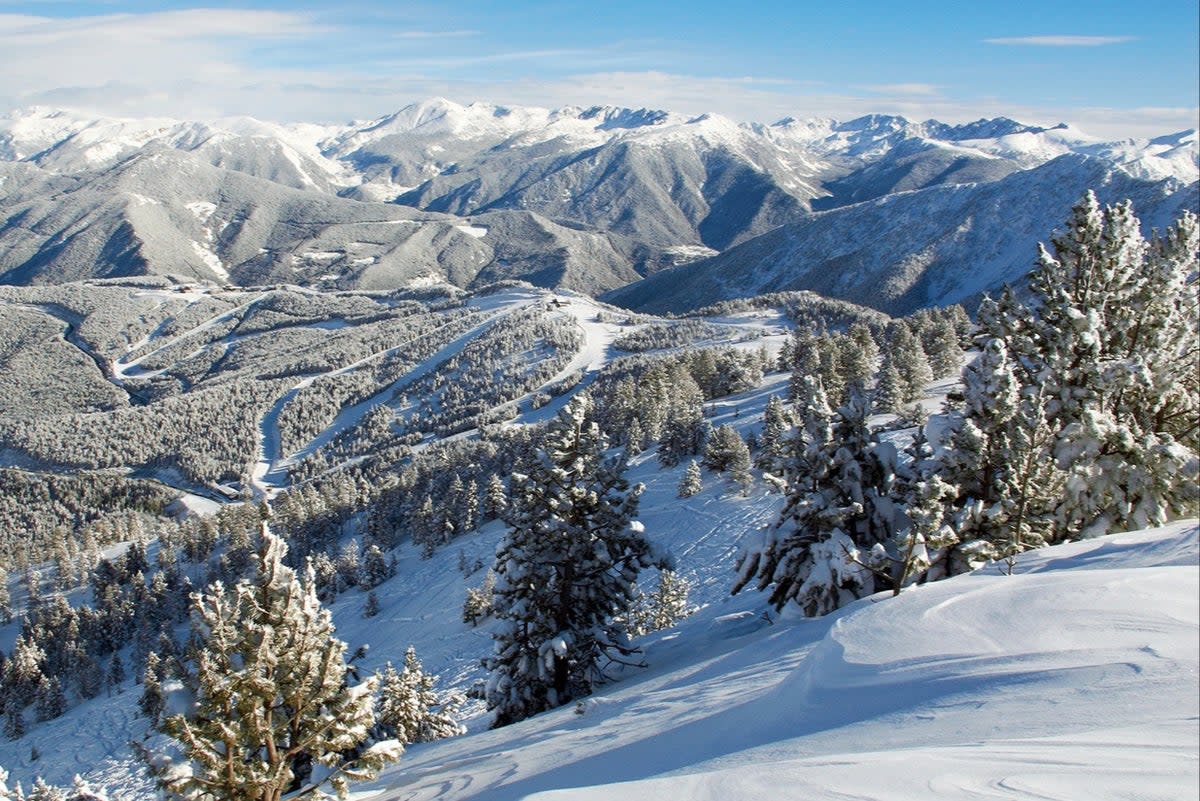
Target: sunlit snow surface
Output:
[{"x": 1076, "y": 677}]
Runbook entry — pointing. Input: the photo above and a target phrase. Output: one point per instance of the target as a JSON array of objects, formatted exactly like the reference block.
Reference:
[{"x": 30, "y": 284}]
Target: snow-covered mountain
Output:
[
  {"x": 588, "y": 199},
  {"x": 910, "y": 250}
]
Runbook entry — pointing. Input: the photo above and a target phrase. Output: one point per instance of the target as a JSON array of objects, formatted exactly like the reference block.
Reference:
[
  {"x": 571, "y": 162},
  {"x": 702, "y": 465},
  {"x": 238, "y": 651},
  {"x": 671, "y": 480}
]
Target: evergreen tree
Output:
[
  {"x": 14, "y": 721},
  {"x": 271, "y": 695},
  {"x": 51, "y": 700},
  {"x": 891, "y": 391},
  {"x": 725, "y": 449},
  {"x": 371, "y": 606},
  {"x": 1114, "y": 318},
  {"x": 818, "y": 554},
  {"x": 375, "y": 569},
  {"x": 152, "y": 702},
  {"x": 1104, "y": 429},
  {"x": 41, "y": 791},
  {"x": 566, "y": 569},
  {"x": 116, "y": 671},
  {"x": 82, "y": 791},
  {"x": 6, "y": 614},
  {"x": 478, "y": 603},
  {"x": 495, "y": 498},
  {"x": 692, "y": 482},
  {"x": 410, "y": 710},
  {"x": 665, "y": 607},
  {"x": 776, "y": 420},
  {"x": 906, "y": 355},
  {"x": 942, "y": 347}
]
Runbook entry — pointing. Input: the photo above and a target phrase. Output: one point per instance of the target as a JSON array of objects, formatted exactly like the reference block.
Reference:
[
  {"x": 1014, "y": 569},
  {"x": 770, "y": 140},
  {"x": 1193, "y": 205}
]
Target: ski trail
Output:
[
  {"x": 589, "y": 360},
  {"x": 270, "y": 472},
  {"x": 130, "y": 369}
]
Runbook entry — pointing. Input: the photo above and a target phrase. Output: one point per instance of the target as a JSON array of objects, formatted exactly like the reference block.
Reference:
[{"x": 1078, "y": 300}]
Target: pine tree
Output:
[
  {"x": 891, "y": 391},
  {"x": 82, "y": 791},
  {"x": 1104, "y": 430},
  {"x": 375, "y": 569},
  {"x": 51, "y": 700},
  {"x": 1115, "y": 323},
  {"x": 724, "y": 449},
  {"x": 906, "y": 355},
  {"x": 495, "y": 498},
  {"x": 271, "y": 694},
  {"x": 152, "y": 702},
  {"x": 478, "y": 603},
  {"x": 41, "y": 791},
  {"x": 692, "y": 481},
  {"x": 818, "y": 554},
  {"x": 665, "y": 607},
  {"x": 410, "y": 710},
  {"x": 770, "y": 455},
  {"x": 371, "y": 606},
  {"x": 566, "y": 569},
  {"x": 14, "y": 721},
  {"x": 5, "y": 599},
  {"x": 116, "y": 672}
]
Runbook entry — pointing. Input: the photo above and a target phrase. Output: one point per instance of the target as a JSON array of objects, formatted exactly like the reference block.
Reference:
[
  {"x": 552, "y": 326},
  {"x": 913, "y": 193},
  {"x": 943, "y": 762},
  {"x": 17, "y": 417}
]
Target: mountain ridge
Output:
[{"x": 598, "y": 197}]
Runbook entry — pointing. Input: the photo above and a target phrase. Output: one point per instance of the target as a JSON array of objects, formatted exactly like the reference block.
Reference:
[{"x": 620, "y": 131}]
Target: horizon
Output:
[{"x": 1091, "y": 65}]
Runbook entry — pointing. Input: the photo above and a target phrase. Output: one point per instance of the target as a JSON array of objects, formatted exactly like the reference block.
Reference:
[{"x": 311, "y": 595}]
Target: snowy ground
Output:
[{"x": 1076, "y": 677}]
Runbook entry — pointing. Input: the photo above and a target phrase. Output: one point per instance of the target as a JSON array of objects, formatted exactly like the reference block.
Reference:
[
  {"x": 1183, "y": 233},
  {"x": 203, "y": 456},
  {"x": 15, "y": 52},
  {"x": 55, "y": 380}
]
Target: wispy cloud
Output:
[
  {"x": 922, "y": 89},
  {"x": 1060, "y": 41},
  {"x": 434, "y": 34}
]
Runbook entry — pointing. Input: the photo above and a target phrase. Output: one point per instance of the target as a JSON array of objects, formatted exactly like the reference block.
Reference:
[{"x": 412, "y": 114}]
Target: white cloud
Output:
[
  {"x": 1060, "y": 41},
  {"x": 903, "y": 88}
]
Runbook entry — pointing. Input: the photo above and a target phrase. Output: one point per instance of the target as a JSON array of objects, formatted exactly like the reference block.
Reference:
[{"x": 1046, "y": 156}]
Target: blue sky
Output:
[{"x": 1112, "y": 68}]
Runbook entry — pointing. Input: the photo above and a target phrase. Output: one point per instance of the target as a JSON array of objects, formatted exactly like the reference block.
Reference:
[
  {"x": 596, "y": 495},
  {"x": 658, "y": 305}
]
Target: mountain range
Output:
[{"x": 662, "y": 211}]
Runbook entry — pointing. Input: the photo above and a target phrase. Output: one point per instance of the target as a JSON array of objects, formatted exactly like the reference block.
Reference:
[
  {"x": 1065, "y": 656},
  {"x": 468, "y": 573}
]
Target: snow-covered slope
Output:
[
  {"x": 909, "y": 250},
  {"x": 1075, "y": 677}
]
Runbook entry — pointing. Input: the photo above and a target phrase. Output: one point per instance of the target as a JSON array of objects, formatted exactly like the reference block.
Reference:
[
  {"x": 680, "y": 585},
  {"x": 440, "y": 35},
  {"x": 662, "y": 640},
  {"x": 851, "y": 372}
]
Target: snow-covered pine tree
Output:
[
  {"x": 271, "y": 693},
  {"x": 668, "y": 604},
  {"x": 838, "y": 508},
  {"x": 495, "y": 498},
  {"x": 82, "y": 791},
  {"x": 904, "y": 352},
  {"x": 42, "y": 791},
  {"x": 998, "y": 456},
  {"x": 409, "y": 709},
  {"x": 478, "y": 603},
  {"x": 726, "y": 450},
  {"x": 942, "y": 347},
  {"x": 890, "y": 390},
  {"x": 692, "y": 481},
  {"x": 375, "y": 568},
  {"x": 1115, "y": 322},
  {"x": 565, "y": 570},
  {"x": 770, "y": 441},
  {"x": 152, "y": 702}
]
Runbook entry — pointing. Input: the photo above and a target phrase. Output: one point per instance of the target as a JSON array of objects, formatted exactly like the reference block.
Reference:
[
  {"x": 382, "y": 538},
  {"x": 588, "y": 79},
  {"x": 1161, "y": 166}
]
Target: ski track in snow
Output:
[
  {"x": 130, "y": 369},
  {"x": 270, "y": 472}
]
